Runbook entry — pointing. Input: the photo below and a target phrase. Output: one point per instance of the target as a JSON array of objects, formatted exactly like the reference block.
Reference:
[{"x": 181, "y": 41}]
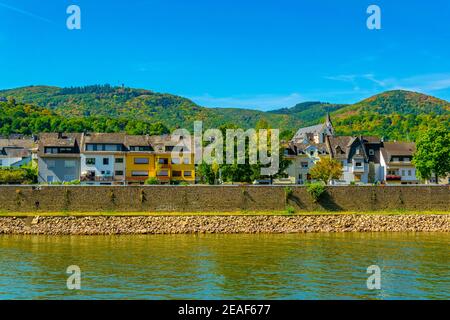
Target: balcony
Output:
[
  {"x": 393, "y": 177},
  {"x": 358, "y": 168},
  {"x": 89, "y": 177}
]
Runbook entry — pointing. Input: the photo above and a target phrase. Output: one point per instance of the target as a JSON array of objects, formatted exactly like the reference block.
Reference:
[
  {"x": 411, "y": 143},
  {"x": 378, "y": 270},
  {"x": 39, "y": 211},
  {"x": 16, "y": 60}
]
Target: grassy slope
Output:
[{"x": 235, "y": 213}]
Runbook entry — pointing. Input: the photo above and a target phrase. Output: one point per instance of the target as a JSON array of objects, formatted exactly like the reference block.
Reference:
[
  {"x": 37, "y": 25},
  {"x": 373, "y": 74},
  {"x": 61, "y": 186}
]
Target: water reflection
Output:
[{"x": 287, "y": 266}]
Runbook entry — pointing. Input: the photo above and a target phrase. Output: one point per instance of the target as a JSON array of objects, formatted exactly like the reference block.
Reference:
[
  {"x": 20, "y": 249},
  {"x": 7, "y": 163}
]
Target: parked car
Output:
[{"x": 262, "y": 181}]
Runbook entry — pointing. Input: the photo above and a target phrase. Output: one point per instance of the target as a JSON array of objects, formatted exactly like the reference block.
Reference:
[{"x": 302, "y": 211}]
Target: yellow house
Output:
[
  {"x": 140, "y": 159},
  {"x": 151, "y": 156},
  {"x": 179, "y": 168}
]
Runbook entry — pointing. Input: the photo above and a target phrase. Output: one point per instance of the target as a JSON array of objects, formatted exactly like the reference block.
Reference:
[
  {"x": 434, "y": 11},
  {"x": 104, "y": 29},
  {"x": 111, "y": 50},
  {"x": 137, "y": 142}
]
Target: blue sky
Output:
[{"x": 251, "y": 54}]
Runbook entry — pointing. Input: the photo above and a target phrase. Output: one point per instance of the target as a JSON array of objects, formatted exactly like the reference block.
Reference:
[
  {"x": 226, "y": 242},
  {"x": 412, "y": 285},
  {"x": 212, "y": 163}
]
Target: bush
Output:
[
  {"x": 290, "y": 210},
  {"x": 73, "y": 182},
  {"x": 13, "y": 176},
  {"x": 315, "y": 190},
  {"x": 152, "y": 180}
]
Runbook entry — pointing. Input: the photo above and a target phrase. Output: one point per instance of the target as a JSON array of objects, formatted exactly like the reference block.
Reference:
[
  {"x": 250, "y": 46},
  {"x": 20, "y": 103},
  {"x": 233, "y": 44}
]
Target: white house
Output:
[
  {"x": 350, "y": 151},
  {"x": 102, "y": 158},
  {"x": 396, "y": 162},
  {"x": 15, "y": 152}
]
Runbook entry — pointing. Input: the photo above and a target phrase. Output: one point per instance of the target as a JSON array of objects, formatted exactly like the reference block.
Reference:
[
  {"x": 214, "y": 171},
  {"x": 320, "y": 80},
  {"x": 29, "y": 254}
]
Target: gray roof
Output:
[
  {"x": 391, "y": 149},
  {"x": 302, "y": 132}
]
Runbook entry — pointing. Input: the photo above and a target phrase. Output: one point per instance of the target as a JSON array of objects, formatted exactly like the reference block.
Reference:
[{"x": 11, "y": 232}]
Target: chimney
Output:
[{"x": 60, "y": 135}]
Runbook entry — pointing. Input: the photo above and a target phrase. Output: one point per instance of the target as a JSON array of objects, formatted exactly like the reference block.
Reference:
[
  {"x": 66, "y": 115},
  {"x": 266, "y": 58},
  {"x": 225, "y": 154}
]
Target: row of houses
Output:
[
  {"x": 119, "y": 158},
  {"x": 364, "y": 159},
  {"x": 107, "y": 158}
]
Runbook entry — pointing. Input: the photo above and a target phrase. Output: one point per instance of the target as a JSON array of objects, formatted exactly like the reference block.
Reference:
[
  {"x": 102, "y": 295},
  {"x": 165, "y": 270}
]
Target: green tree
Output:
[
  {"x": 205, "y": 173},
  {"x": 433, "y": 153},
  {"x": 326, "y": 169}
]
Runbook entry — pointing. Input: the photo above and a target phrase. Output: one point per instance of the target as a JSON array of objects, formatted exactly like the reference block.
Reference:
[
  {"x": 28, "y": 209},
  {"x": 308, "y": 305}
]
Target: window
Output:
[
  {"x": 50, "y": 163},
  {"x": 395, "y": 159},
  {"x": 163, "y": 173},
  {"x": 1, "y": 162},
  {"x": 119, "y": 160},
  {"x": 69, "y": 163},
  {"x": 50, "y": 150},
  {"x": 50, "y": 179},
  {"x": 168, "y": 148},
  {"x": 176, "y": 161},
  {"x": 69, "y": 178},
  {"x": 176, "y": 173},
  {"x": 139, "y": 173},
  {"x": 91, "y": 147},
  {"x": 186, "y": 161},
  {"x": 406, "y": 159},
  {"x": 103, "y": 147},
  {"x": 304, "y": 164},
  {"x": 188, "y": 173},
  {"x": 409, "y": 173},
  {"x": 105, "y": 161},
  {"x": 112, "y": 147},
  {"x": 65, "y": 150},
  {"x": 371, "y": 152},
  {"x": 140, "y": 160},
  {"x": 358, "y": 164},
  {"x": 141, "y": 148},
  {"x": 311, "y": 152},
  {"x": 403, "y": 173},
  {"x": 118, "y": 173},
  {"x": 163, "y": 161},
  {"x": 90, "y": 161}
]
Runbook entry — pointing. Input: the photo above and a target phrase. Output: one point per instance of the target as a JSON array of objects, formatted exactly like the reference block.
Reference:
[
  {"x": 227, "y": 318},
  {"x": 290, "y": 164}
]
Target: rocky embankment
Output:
[{"x": 221, "y": 224}]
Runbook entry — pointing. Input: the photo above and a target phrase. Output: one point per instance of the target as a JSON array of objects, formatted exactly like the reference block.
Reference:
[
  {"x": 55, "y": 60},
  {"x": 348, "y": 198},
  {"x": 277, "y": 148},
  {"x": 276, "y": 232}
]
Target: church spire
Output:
[{"x": 329, "y": 124}]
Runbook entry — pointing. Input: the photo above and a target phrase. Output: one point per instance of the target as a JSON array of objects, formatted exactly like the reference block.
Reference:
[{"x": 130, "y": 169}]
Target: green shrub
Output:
[
  {"x": 152, "y": 180},
  {"x": 73, "y": 182},
  {"x": 13, "y": 176},
  {"x": 315, "y": 190},
  {"x": 290, "y": 210}
]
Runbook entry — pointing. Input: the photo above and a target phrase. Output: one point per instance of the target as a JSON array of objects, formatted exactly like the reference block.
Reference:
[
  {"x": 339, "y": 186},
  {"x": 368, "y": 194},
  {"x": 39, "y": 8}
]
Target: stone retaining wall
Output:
[
  {"x": 222, "y": 224},
  {"x": 219, "y": 198}
]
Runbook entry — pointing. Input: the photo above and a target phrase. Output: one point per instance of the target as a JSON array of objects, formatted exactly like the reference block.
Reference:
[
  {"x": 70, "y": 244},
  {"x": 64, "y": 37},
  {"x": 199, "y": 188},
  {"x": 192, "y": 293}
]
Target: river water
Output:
[{"x": 231, "y": 266}]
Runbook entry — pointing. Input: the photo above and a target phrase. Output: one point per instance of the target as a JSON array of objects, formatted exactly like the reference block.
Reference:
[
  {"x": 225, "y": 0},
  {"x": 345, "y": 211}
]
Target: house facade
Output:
[
  {"x": 15, "y": 152},
  {"x": 303, "y": 157},
  {"x": 103, "y": 158},
  {"x": 112, "y": 158},
  {"x": 396, "y": 162},
  {"x": 350, "y": 151},
  {"x": 305, "y": 149},
  {"x": 58, "y": 157},
  {"x": 140, "y": 159},
  {"x": 364, "y": 159}
]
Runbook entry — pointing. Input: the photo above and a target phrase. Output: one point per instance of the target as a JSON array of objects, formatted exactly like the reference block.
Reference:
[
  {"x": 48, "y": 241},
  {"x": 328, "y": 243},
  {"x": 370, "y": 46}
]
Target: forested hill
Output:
[{"x": 392, "y": 114}]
